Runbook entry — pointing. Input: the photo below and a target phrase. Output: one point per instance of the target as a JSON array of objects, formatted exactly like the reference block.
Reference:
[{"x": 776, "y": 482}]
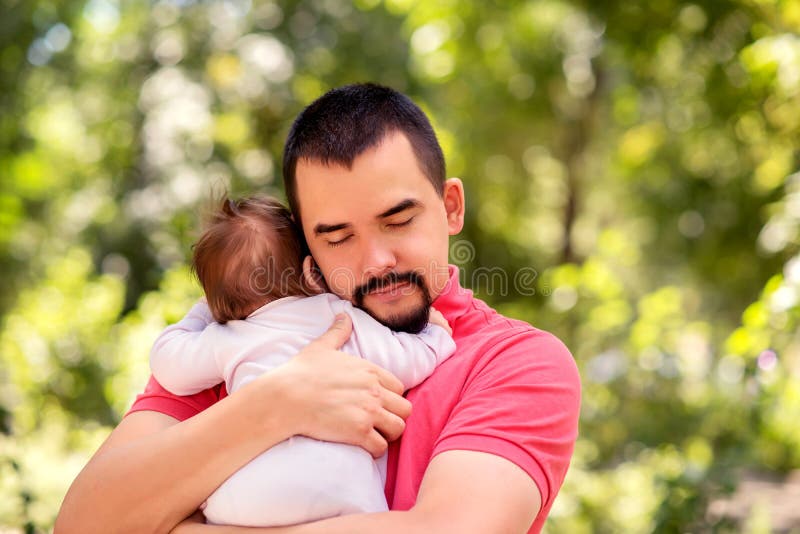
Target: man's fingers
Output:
[
  {"x": 376, "y": 444},
  {"x": 390, "y": 425},
  {"x": 396, "y": 404},
  {"x": 388, "y": 380},
  {"x": 338, "y": 334}
]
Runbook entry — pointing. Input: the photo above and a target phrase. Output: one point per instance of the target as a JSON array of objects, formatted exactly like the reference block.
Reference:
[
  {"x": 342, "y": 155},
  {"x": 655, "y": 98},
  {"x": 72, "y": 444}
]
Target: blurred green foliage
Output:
[{"x": 636, "y": 161}]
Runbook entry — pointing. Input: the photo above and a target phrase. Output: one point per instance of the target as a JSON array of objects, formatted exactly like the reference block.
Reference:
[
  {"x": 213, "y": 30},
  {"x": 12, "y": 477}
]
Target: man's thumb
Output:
[{"x": 339, "y": 332}]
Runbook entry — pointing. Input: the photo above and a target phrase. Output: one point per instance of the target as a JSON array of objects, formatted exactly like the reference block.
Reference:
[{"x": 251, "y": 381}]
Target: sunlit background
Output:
[{"x": 637, "y": 160}]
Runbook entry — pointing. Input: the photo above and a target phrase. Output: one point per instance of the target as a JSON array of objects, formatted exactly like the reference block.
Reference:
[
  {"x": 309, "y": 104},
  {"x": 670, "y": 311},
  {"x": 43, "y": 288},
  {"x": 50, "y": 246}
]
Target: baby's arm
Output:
[
  {"x": 410, "y": 357},
  {"x": 182, "y": 359}
]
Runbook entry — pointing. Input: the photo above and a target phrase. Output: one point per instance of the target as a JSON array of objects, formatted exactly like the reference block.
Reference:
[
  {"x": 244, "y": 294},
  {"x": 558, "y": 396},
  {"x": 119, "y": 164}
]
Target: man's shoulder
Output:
[
  {"x": 514, "y": 342},
  {"x": 497, "y": 327},
  {"x": 525, "y": 334},
  {"x": 525, "y": 344}
]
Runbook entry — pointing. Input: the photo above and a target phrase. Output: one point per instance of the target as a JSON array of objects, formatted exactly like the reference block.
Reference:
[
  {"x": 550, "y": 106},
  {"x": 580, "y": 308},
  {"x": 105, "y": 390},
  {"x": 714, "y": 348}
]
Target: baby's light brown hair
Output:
[{"x": 251, "y": 253}]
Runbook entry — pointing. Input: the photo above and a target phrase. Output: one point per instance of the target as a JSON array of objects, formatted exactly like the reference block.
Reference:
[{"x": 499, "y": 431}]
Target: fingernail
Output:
[{"x": 340, "y": 318}]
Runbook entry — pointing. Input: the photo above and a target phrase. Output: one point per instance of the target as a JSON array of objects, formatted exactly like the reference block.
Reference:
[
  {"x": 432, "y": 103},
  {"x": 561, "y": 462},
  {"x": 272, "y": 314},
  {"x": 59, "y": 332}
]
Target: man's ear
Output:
[
  {"x": 312, "y": 276},
  {"x": 453, "y": 196}
]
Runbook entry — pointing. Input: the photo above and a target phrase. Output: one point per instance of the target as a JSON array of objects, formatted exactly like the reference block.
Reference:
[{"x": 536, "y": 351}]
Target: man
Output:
[{"x": 492, "y": 430}]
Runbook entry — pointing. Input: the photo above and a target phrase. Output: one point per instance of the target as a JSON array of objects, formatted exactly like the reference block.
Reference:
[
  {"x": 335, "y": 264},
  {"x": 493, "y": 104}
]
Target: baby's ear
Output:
[{"x": 312, "y": 277}]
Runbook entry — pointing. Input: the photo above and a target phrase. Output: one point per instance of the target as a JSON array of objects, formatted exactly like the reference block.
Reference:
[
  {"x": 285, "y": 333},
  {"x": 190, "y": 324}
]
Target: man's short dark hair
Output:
[{"x": 346, "y": 121}]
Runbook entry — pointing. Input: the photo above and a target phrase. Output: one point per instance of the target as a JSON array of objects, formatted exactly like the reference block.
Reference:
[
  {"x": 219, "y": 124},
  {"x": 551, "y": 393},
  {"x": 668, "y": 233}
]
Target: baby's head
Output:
[{"x": 250, "y": 254}]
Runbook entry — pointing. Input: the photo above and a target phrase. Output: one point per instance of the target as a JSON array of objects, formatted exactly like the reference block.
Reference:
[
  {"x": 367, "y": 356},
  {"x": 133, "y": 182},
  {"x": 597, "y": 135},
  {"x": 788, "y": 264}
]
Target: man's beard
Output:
[{"x": 412, "y": 321}]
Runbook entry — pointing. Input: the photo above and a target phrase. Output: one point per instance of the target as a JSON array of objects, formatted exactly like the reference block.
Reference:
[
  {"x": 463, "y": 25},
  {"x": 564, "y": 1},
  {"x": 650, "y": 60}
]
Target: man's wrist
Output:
[{"x": 267, "y": 403}]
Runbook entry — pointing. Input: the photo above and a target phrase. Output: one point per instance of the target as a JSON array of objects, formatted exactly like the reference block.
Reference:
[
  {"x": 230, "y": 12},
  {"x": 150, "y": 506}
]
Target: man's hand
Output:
[
  {"x": 438, "y": 319},
  {"x": 338, "y": 397}
]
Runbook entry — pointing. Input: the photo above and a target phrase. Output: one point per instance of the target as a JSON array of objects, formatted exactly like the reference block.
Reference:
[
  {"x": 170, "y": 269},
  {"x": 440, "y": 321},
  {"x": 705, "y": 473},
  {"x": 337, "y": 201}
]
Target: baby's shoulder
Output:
[{"x": 321, "y": 306}]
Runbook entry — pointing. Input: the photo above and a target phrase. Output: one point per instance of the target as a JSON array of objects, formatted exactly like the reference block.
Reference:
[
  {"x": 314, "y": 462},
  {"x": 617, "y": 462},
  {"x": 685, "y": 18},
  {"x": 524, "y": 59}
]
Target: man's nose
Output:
[{"x": 378, "y": 258}]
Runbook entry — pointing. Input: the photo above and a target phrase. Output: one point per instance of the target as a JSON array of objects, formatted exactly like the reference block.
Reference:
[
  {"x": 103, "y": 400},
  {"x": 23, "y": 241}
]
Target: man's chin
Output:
[
  {"x": 412, "y": 322},
  {"x": 400, "y": 301},
  {"x": 411, "y": 319}
]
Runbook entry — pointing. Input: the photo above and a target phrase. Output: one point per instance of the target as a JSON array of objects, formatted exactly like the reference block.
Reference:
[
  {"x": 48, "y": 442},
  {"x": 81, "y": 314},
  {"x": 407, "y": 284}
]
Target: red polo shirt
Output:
[{"x": 509, "y": 390}]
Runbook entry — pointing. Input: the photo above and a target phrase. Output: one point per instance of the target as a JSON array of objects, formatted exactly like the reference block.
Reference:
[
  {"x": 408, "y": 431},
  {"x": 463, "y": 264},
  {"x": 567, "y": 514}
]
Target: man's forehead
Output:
[{"x": 380, "y": 177}]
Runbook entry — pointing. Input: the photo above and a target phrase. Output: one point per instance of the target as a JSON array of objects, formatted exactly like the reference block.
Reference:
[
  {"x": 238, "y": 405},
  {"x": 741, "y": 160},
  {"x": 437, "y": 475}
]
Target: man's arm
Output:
[
  {"x": 462, "y": 491},
  {"x": 153, "y": 471}
]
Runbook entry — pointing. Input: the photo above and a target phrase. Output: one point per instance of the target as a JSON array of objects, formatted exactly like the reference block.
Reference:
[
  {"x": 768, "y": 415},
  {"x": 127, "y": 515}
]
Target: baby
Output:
[{"x": 259, "y": 311}]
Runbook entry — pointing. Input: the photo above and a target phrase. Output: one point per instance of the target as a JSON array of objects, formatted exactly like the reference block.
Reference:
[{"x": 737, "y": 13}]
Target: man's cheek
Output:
[{"x": 342, "y": 282}]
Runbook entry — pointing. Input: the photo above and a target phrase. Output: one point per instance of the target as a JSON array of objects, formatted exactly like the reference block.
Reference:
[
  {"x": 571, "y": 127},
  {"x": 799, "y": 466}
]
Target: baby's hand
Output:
[{"x": 438, "y": 319}]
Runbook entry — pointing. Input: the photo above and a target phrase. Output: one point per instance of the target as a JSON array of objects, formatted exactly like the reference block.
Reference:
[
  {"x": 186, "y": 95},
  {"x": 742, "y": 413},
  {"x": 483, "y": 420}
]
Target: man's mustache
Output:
[{"x": 387, "y": 280}]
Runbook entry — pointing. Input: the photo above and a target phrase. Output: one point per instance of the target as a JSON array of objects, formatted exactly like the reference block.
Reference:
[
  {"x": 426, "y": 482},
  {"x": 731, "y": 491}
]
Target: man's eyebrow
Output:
[
  {"x": 328, "y": 228},
  {"x": 401, "y": 206}
]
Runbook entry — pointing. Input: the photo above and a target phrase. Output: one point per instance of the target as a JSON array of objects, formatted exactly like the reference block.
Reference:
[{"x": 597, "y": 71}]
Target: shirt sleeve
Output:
[
  {"x": 522, "y": 403},
  {"x": 155, "y": 398},
  {"x": 410, "y": 357},
  {"x": 182, "y": 358}
]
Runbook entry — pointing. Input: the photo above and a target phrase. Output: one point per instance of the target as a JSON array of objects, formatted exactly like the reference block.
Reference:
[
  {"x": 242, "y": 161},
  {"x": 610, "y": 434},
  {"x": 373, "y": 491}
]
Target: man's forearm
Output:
[
  {"x": 156, "y": 471},
  {"x": 384, "y": 522}
]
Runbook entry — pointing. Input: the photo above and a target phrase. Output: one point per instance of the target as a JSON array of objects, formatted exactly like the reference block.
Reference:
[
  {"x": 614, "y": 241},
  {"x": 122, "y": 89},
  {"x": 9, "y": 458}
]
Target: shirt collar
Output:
[{"x": 454, "y": 301}]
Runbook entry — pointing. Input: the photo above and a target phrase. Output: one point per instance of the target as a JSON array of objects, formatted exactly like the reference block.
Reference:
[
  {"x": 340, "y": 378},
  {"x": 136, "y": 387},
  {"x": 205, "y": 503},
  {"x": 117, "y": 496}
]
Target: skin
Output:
[
  {"x": 353, "y": 240},
  {"x": 153, "y": 471}
]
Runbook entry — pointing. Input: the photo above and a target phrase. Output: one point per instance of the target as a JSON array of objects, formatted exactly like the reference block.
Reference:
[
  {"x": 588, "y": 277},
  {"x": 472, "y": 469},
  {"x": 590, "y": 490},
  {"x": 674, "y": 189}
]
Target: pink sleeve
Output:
[
  {"x": 157, "y": 399},
  {"x": 522, "y": 403}
]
